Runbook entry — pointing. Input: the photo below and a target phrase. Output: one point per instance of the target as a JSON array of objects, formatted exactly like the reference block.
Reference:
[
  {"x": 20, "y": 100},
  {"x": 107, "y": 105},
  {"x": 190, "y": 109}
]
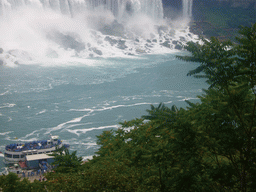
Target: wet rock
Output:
[
  {"x": 179, "y": 47},
  {"x": 1, "y": 62},
  {"x": 137, "y": 40},
  {"x": 91, "y": 55},
  {"x": 154, "y": 40},
  {"x": 152, "y": 36},
  {"x": 23, "y": 55},
  {"x": 97, "y": 51},
  {"x": 16, "y": 62},
  {"x": 52, "y": 54},
  {"x": 115, "y": 29},
  {"x": 182, "y": 38},
  {"x": 172, "y": 32},
  {"x": 175, "y": 42},
  {"x": 110, "y": 40},
  {"x": 166, "y": 44},
  {"x": 99, "y": 42},
  {"x": 148, "y": 41},
  {"x": 140, "y": 51},
  {"x": 149, "y": 45},
  {"x": 1, "y": 50},
  {"x": 121, "y": 44},
  {"x": 162, "y": 29},
  {"x": 68, "y": 41}
]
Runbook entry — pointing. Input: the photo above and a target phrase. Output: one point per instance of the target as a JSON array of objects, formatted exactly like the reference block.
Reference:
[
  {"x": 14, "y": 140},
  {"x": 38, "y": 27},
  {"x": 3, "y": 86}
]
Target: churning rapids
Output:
[{"x": 75, "y": 68}]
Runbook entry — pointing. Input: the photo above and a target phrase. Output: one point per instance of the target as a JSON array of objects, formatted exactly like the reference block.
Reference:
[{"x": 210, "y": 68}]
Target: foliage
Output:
[
  {"x": 65, "y": 161},
  {"x": 227, "y": 112},
  {"x": 12, "y": 183}
]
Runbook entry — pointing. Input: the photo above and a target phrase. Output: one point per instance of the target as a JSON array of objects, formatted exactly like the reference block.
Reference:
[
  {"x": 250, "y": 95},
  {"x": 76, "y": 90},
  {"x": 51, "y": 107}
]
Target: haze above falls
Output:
[{"x": 36, "y": 31}]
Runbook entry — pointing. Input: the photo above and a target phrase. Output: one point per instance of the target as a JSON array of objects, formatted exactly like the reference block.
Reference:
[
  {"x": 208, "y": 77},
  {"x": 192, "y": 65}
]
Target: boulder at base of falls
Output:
[
  {"x": 67, "y": 41},
  {"x": 1, "y": 50},
  {"x": 166, "y": 44},
  {"x": 162, "y": 29},
  {"x": 115, "y": 29},
  {"x": 140, "y": 51},
  {"x": 179, "y": 47},
  {"x": 175, "y": 42},
  {"x": 110, "y": 40},
  {"x": 121, "y": 44},
  {"x": 51, "y": 53},
  {"x": 20, "y": 55},
  {"x": 97, "y": 51},
  {"x": 182, "y": 38}
]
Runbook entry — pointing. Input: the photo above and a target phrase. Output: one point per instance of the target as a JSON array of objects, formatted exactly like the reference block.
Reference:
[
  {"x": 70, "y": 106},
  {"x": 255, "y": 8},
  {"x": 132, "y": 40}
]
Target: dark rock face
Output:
[
  {"x": 1, "y": 50},
  {"x": 52, "y": 54},
  {"x": 129, "y": 8},
  {"x": 140, "y": 51},
  {"x": 95, "y": 50},
  {"x": 115, "y": 29},
  {"x": 121, "y": 44},
  {"x": 67, "y": 41},
  {"x": 166, "y": 44},
  {"x": 161, "y": 29},
  {"x": 179, "y": 47},
  {"x": 110, "y": 40},
  {"x": 182, "y": 38}
]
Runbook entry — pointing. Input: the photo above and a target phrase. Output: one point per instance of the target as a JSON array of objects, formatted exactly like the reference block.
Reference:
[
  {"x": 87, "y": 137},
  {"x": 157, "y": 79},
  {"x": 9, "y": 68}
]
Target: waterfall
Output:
[
  {"x": 187, "y": 8},
  {"x": 119, "y": 8}
]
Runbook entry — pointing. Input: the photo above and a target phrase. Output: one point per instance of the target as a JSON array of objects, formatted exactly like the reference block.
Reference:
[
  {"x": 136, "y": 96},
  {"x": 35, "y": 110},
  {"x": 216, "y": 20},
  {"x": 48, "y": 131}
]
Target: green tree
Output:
[
  {"x": 227, "y": 112},
  {"x": 65, "y": 162}
]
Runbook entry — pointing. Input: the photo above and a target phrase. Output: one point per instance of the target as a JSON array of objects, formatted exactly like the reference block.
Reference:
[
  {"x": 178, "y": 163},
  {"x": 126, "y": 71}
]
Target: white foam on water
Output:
[
  {"x": 6, "y": 133},
  {"x": 189, "y": 98},
  {"x": 65, "y": 124},
  {"x": 78, "y": 132},
  {"x": 41, "y": 112},
  {"x": 112, "y": 107},
  {"x": 90, "y": 157},
  {"x": 7, "y": 105},
  {"x": 4, "y": 93}
]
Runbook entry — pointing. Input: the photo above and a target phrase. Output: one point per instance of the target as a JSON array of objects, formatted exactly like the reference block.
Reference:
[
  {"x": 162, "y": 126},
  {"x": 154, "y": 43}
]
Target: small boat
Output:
[{"x": 32, "y": 153}]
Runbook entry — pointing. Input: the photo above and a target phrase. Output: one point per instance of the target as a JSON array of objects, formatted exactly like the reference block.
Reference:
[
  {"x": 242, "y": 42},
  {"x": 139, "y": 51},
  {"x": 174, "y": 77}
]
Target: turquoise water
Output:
[{"x": 77, "y": 101}]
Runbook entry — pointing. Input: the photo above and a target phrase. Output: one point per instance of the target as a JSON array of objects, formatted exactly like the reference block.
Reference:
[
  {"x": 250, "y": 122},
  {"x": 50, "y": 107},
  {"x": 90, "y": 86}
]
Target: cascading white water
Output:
[
  {"x": 152, "y": 8},
  {"x": 187, "y": 8},
  {"x": 68, "y": 30},
  {"x": 63, "y": 29}
]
